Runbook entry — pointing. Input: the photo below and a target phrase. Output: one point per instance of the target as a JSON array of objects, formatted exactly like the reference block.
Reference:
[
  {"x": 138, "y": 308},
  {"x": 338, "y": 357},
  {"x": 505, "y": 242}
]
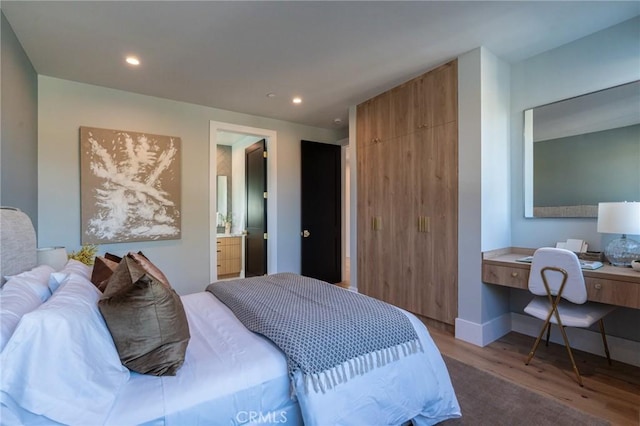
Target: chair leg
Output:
[
  {"x": 573, "y": 362},
  {"x": 548, "y": 334},
  {"x": 535, "y": 345},
  {"x": 604, "y": 340}
]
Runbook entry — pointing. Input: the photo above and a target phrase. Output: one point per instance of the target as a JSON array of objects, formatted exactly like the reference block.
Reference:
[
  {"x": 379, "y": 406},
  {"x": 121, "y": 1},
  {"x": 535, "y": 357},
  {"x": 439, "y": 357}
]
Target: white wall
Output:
[
  {"x": 64, "y": 106},
  {"x": 484, "y": 182}
]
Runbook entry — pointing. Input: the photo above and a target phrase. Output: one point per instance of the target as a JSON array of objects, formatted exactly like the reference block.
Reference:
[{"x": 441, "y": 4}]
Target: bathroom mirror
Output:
[
  {"x": 582, "y": 151},
  {"x": 222, "y": 197}
]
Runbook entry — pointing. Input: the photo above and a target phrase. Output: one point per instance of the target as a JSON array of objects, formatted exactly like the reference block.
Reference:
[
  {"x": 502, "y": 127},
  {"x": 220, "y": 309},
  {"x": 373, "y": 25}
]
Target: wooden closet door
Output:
[
  {"x": 375, "y": 277},
  {"x": 425, "y": 287},
  {"x": 402, "y": 161},
  {"x": 445, "y": 223},
  {"x": 408, "y": 195},
  {"x": 435, "y": 99},
  {"x": 401, "y": 114},
  {"x": 436, "y": 198},
  {"x": 373, "y": 122},
  {"x": 442, "y": 95}
]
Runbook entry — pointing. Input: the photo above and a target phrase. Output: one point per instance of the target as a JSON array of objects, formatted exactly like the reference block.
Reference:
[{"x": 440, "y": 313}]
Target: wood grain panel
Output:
[
  {"x": 442, "y": 99},
  {"x": 229, "y": 256},
  {"x": 408, "y": 180},
  {"x": 401, "y": 114},
  {"x": 505, "y": 276},
  {"x": 613, "y": 292},
  {"x": 372, "y": 120}
]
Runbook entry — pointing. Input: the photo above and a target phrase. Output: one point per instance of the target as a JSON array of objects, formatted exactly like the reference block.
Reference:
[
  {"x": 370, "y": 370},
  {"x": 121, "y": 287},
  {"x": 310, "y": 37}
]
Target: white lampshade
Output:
[
  {"x": 619, "y": 218},
  {"x": 56, "y": 257}
]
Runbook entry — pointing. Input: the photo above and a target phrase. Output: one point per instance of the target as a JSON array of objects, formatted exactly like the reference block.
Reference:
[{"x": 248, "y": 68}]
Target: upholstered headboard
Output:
[{"x": 17, "y": 242}]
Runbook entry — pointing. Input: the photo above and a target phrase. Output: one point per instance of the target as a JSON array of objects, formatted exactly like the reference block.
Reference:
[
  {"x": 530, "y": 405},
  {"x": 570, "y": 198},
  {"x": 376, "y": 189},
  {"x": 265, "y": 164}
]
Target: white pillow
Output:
[
  {"x": 36, "y": 279},
  {"x": 56, "y": 279},
  {"x": 77, "y": 267},
  {"x": 61, "y": 362},
  {"x": 20, "y": 295}
]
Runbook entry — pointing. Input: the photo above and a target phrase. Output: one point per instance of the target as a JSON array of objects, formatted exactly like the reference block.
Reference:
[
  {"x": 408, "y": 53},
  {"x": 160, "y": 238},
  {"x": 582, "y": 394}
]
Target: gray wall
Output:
[
  {"x": 64, "y": 106},
  {"x": 587, "y": 169},
  {"x": 604, "y": 59},
  {"x": 19, "y": 124}
]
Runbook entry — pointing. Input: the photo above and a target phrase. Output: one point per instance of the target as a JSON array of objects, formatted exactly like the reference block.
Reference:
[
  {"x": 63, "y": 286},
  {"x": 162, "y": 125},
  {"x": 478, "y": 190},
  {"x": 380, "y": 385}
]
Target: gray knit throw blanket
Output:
[{"x": 329, "y": 333}]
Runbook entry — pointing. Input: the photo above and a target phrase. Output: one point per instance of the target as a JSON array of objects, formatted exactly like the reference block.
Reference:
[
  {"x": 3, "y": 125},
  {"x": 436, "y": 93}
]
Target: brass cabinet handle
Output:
[
  {"x": 598, "y": 286},
  {"x": 424, "y": 224},
  {"x": 514, "y": 274}
]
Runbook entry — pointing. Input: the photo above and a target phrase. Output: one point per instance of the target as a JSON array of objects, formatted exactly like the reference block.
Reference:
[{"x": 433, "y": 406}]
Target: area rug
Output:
[{"x": 486, "y": 399}]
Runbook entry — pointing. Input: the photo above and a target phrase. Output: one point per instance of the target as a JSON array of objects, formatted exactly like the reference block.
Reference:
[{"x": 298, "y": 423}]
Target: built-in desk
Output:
[{"x": 609, "y": 284}]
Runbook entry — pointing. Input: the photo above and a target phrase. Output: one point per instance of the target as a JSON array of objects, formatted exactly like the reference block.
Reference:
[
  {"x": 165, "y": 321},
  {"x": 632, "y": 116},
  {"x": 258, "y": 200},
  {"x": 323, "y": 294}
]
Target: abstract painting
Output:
[{"x": 129, "y": 185}]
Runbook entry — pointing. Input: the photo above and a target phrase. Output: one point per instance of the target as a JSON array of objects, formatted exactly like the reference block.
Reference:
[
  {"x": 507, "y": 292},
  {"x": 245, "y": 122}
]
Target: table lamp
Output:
[
  {"x": 620, "y": 218},
  {"x": 56, "y": 257}
]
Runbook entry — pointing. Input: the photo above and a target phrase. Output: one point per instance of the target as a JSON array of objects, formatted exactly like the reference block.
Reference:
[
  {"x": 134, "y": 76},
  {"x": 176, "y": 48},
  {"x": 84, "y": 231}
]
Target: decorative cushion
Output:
[
  {"x": 103, "y": 268},
  {"x": 61, "y": 361},
  {"x": 112, "y": 257},
  {"x": 146, "y": 318},
  {"x": 20, "y": 295}
]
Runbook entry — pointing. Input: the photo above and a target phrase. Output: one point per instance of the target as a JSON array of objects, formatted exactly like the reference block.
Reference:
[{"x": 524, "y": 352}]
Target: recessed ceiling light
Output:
[
  {"x": 297, "y": 100},
  {"x": 271, "y": 95},
  {"x": 337, "y": 120},
  {"x": 132, "y": 60}
]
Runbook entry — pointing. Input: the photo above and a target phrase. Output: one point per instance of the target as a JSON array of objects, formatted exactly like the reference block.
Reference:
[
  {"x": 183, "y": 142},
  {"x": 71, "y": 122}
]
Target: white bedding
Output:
[
  {"x": 222, "y": 359},
  {"x": 230, "y": 376},
  {"x": 233, "y": 376},
  {"x": 417, "y": 387}
]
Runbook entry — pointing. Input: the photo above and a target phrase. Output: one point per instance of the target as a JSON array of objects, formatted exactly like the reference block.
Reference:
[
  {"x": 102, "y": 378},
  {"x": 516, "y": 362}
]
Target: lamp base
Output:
[{"x": 622, "y": 251}]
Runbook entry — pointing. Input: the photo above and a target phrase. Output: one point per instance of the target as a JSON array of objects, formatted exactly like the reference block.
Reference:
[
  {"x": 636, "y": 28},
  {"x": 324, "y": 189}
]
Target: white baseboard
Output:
[
  {"x": 622, "y": 350},
  {"x": 483, "y": 334}
]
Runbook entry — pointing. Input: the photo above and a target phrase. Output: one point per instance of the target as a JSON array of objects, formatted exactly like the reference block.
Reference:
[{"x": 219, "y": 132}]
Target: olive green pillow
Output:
[{"x": 145, "y": 317}]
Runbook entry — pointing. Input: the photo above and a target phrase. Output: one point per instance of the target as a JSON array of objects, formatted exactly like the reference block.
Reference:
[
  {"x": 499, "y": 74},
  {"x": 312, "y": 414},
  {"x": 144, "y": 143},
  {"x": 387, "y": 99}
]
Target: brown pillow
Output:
[
  {"x": 146, "y": 264},
  {"x": 103, "y": 268},
  {"x": 113, "y": 257},
  {"x": 146, "y": 318}
]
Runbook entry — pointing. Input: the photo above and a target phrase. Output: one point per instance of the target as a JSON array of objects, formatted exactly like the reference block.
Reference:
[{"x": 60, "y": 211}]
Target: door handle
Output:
[{"x": 305, "y": 233}]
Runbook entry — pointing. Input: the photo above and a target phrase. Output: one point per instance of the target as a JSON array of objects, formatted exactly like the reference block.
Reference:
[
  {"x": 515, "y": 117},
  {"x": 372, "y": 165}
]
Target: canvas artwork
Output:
[{"x": 130, "y": 186}]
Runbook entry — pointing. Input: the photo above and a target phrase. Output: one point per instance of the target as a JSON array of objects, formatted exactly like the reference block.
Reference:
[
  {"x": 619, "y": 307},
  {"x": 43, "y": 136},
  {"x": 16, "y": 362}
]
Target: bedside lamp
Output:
[
  {"x": 620, "y": 218},
  {"x": 56, "y": 257}
]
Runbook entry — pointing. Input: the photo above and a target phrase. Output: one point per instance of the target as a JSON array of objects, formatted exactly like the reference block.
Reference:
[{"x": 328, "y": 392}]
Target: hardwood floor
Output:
[{"x": 609, "y": 392}]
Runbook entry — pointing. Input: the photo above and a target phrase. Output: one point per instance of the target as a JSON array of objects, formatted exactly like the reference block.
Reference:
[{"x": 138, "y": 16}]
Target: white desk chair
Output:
[{"x": 561, "y": 298}]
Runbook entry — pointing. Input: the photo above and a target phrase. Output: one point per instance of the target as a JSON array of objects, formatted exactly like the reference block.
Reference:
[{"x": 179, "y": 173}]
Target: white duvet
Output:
[{"x": 232, "y": 376}]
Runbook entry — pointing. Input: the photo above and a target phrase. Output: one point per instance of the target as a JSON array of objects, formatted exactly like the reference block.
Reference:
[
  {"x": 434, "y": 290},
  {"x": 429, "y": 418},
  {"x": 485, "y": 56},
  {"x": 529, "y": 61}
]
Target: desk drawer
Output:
[
  {"x": 613, "y": 292},
  {"x": 506, "y": 276}
]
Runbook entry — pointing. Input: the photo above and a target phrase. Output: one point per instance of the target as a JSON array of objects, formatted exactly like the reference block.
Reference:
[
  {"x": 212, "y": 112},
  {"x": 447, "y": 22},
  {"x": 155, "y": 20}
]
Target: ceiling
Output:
[{"x": 230, "y": 55}]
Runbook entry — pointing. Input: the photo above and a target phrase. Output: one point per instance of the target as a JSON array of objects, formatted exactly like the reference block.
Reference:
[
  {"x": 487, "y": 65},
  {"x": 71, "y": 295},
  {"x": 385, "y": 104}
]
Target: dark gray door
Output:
[
  {"x": 321, "y": 211},
  {"x": 256, "y": 182}
]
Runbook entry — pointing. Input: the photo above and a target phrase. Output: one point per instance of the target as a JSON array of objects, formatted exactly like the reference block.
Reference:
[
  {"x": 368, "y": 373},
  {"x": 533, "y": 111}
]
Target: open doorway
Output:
[{"x": 227, "y": 164}]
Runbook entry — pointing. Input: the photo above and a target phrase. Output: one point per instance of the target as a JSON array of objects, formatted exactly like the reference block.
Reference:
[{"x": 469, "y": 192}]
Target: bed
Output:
[{"x": 58, "y": 368}]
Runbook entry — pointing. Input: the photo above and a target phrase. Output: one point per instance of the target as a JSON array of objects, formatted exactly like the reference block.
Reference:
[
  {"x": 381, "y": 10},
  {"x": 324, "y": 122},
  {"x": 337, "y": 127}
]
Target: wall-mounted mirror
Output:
[
  {"x": 222, "y": 197},
  {"x": 582, "y": 151}
]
